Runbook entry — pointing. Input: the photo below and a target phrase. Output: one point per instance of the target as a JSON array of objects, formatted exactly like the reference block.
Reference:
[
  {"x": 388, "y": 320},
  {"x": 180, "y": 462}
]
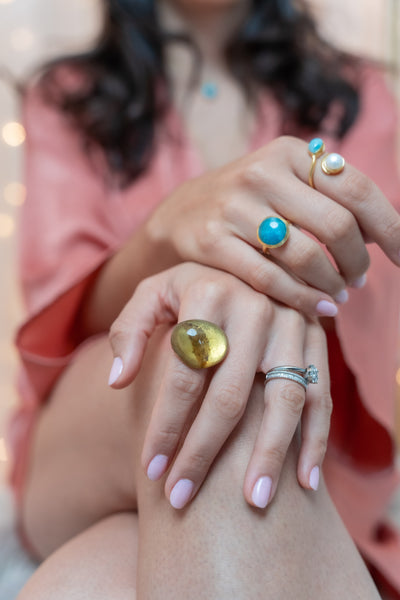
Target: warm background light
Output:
[
  {"x": 7, "y": 225},
  {"x": 22, "y": 38},
  {"x": 14, "y": 193},
  {"x": 13, "y": 133},
  {"x": 3, "y": 451}
]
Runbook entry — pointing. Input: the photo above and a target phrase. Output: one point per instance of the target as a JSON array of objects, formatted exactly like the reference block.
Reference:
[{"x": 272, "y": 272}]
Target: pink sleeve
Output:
[
  {"x": 66, "y": 233},
  {"x": 368, "y": 323}
]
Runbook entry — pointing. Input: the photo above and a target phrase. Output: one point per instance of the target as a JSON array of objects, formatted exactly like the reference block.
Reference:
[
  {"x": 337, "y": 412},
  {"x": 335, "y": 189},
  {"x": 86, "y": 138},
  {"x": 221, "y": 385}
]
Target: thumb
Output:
[{"x": 130, "y": 332}]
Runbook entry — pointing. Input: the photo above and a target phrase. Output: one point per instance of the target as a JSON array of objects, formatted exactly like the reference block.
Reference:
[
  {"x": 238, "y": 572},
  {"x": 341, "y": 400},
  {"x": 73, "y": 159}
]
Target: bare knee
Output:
[{"x": 98, "y": 563}]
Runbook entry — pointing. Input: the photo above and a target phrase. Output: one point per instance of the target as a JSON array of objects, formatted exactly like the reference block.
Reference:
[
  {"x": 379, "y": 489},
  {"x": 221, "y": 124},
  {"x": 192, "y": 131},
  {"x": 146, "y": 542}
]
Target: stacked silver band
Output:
[{"x": 297, "y": 374}]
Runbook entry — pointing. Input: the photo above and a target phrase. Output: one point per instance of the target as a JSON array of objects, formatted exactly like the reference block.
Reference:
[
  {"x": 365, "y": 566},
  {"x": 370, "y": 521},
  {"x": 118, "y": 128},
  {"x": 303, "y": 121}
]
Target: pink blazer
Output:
[{"x": 72, "y": 222}]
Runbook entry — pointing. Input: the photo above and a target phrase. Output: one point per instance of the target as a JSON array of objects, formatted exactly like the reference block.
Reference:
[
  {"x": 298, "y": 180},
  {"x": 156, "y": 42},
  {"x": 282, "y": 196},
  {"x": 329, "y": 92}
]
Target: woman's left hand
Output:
[{"x": 262, "y": 335}]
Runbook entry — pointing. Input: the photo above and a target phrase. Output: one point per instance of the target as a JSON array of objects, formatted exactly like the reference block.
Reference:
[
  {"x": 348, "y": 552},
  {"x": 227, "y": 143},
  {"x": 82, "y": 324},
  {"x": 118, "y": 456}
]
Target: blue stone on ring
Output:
[
  {"x": 316, "y": 146},
  {"x": 273, "y": 232}
]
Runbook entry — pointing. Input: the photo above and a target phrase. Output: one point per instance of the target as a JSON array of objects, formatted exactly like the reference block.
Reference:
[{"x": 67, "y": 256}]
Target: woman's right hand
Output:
[
  {"x": 213, "y": 220},
  {"x": 197, "y": 409}
]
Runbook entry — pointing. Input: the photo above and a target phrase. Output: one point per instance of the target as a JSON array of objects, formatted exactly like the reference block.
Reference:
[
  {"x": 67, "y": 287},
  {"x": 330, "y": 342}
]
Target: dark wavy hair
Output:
[{"x": 126, "y": 88}]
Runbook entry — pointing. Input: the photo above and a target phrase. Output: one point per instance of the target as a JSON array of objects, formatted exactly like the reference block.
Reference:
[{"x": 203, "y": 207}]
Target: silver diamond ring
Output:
[
  {"x": 310, "y": 373},
  {"x": 277, "y": 374}
]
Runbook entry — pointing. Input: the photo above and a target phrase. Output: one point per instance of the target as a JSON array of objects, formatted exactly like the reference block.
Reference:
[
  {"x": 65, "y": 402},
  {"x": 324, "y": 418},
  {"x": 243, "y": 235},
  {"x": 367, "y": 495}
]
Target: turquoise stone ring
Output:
[
  {"x": 273, "y": 232},
  {"x": 315, "y": 149}
]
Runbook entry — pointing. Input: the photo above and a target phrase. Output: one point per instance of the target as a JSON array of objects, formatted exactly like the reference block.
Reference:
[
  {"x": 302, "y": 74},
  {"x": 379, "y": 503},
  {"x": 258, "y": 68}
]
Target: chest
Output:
[{"x": 219, "y": 128}]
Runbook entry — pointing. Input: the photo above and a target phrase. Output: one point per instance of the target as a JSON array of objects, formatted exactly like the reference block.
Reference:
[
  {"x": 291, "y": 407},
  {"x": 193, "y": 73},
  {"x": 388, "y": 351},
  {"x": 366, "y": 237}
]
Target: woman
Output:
[{"x": 237, "y": 71}]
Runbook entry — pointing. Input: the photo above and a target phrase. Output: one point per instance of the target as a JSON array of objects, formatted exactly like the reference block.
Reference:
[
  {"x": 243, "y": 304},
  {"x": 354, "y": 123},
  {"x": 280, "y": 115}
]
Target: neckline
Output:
[{"x": 266, "y": 128}]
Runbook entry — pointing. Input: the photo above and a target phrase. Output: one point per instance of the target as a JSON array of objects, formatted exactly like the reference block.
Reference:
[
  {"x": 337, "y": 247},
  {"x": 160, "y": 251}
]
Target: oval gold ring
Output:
[{"x": 199, "y": 344}]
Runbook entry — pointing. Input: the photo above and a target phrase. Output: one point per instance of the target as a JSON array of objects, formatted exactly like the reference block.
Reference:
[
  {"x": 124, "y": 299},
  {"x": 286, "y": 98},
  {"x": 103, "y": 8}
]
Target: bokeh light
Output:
[
  {"x": 13, "y": 133},
  {"x": 3, "y": 450},
  {"x": 7, "y": 225},
  {"x": 14, "y": 193}
]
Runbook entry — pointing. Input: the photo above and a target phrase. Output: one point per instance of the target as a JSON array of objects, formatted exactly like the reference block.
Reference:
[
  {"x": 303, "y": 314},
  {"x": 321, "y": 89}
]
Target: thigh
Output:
[
  {"x": 82, "y": 456},
  {"x": 98, "y": 563}
]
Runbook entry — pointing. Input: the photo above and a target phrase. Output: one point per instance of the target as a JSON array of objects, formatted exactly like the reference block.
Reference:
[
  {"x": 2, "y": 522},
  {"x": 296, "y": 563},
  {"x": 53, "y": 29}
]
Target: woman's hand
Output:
[
  {"x": 213, "y": 220},
  {"x": 261, "y": 335}
]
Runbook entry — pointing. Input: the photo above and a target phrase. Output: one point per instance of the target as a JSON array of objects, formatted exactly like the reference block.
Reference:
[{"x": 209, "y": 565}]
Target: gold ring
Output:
[
  {"x": 273, "y": 232},
  {"x": 199, "y": 344},
  {"x": 315, "y": 149}
]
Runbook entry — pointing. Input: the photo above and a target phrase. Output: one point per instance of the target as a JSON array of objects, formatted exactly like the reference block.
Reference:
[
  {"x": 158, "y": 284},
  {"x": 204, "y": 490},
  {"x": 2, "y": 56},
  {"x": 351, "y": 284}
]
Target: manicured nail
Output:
[
  {"x": 181, "y": 493},
  {"x": 261, "y": 492},
  {"x": 157, "y": 467},
  {"x": 116, "y": 370},
  {"x": 360, "y": 282},
  {"x": 326, "y": 309},
  {"x": 342, "y": 297},
  {"x": 314, "y": 478}
]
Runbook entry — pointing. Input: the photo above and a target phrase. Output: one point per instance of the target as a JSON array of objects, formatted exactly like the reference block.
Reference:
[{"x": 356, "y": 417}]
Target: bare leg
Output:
[
  {"x": 98, "y": 563},
  {"x": 87, "y": 450}
]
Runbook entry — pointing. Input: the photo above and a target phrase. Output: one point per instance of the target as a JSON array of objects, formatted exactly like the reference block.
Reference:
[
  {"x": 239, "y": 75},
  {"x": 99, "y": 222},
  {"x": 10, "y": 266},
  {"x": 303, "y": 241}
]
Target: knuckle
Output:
[
  {"x": 168, "y": 436},
  {"x": 197, "y": 462},
  {"x": 263, "y": 278},
  {"x": 229, "y": 403},
  {"x": 318, "y": 444},
  {"x": 275, "y": 456},
  {"x": 392, "y": 230},
  {"x": 357, "y": 188},
  {"x": 210, "y": 234},
  {"x": 187, "y": 386},
  {"x": 293, "y": 397},
  {"x": 118, "y": 335},
  {"x": 261, "y": 307},
  {"x": 254, "y": 175},
  {"x": 305, "y": 256},
  {"x": 342, "y": 225}
]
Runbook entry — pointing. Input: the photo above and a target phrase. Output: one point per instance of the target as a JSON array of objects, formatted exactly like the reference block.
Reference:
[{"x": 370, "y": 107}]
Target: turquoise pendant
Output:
[
  {"x": 273, "y": 232},
  {"x": 209, "y": 90}
]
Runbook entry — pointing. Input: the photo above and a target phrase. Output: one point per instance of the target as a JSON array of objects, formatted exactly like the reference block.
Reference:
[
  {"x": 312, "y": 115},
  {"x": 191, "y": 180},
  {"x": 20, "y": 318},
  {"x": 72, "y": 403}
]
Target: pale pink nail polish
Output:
[
  {"x": 314, "y": 478},
  {"x": 360, "y": 282},
  {"x": 261, "y": 492},
  {"x": 157, "y": 467},
  {"x": 326, "y": 309},
  {"x": 116, "y": 370},
  {"x": 342, "y": 297},
  {"x": 181, "y": 493}
]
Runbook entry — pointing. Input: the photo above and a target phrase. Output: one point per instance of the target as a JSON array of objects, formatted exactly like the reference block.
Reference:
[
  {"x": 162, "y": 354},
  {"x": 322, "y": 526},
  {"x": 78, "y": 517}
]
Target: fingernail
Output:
[
  {"x": 326, "y": 309},
  {"x": 157, "y": 467},
  {"x": 360, "y": 282},
  {"x": 314, "y": 478},
  {"x": 181, "y": 493},
  {"x": 342, "y": 297},
  {"x": 262, "y": 492},
  {"x": 116, "y": 370}
]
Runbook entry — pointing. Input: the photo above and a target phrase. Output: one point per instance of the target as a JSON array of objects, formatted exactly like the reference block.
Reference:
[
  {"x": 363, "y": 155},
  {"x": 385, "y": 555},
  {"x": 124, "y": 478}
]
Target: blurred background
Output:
[{"x": 34, "y": 30}]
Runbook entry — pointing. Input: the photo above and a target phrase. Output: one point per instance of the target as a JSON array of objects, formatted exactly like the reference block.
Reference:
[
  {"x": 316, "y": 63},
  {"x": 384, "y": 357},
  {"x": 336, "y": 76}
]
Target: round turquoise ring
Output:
[
  {"x": 273, "y": 232},
  {"x": 315, "y": 149}
]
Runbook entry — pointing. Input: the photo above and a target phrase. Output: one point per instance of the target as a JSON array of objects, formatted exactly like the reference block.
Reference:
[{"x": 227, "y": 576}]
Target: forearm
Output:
[{"x": 114, "y": 283}]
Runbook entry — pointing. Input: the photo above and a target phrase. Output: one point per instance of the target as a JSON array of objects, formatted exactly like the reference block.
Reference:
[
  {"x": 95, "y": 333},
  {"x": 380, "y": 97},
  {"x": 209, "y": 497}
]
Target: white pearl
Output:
[{"x": 333, "y": 164}]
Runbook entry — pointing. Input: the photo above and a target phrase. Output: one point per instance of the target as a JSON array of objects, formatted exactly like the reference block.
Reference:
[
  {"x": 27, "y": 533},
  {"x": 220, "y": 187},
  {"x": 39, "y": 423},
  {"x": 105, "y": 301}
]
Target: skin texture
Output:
[
  {"x": 273, "y": 335},
  {"x": 81, "y": 496},
  {"x": 218, "y": 547}
]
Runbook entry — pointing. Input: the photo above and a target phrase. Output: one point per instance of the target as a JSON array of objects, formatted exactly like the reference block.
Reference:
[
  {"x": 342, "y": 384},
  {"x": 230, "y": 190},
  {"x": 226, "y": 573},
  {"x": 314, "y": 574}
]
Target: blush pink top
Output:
[{"x": 72, "y": 222}]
